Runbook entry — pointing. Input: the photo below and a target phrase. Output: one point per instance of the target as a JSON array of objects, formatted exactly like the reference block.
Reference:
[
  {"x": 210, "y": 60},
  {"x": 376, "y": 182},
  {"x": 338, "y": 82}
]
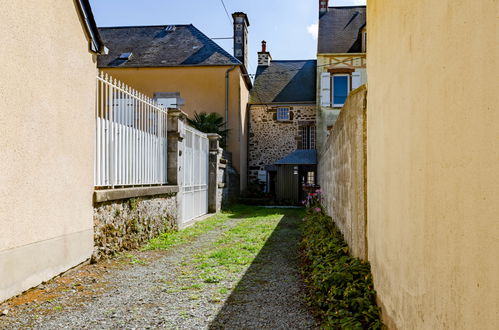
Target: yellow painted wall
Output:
[
  {"x": 47, "y": 87},
  {"x": 433, "y": 162},
  {"x": 203, "y": 89}
]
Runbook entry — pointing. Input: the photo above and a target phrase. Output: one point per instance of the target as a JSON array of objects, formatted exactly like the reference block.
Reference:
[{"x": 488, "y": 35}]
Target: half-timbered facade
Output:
[{"x": 341, "y": 60}]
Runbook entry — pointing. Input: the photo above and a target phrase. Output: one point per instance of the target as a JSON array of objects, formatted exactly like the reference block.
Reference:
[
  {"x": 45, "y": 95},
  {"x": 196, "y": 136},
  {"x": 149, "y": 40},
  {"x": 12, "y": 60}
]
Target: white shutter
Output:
[
  {"x": 356, "y": 80},
  {"x": 325, "y": 89}
]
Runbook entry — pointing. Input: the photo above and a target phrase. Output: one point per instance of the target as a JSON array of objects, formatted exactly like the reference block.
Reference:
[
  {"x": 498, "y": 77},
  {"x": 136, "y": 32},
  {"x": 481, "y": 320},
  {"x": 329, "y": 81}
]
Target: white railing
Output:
[
  {"x": 196, "y": 167},
  {"x": 131, "y": 137}
]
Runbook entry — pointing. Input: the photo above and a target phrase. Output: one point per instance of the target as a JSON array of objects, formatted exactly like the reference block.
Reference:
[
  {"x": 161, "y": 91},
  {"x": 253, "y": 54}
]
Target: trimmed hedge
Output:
[{"x": 340, "y": 287}]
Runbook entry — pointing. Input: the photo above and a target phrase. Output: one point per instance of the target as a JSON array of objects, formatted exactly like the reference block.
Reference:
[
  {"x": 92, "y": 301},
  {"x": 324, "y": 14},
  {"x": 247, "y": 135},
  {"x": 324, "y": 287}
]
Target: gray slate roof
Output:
[
  {"x": 299, "y": 157},
  {"x": 285, "y": 82},
  {"x": 161, "y": 46},
  {"x": 339, "y": 30}
]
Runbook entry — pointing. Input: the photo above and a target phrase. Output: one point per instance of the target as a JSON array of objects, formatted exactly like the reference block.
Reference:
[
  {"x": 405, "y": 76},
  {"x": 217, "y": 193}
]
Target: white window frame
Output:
[
  {"x": 349, "y": 78},
  {"x": 280, "y": 118}
]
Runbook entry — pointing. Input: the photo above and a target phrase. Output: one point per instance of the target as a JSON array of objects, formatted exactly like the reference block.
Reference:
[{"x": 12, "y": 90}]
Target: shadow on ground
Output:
[{"x": 270, "y": 294}]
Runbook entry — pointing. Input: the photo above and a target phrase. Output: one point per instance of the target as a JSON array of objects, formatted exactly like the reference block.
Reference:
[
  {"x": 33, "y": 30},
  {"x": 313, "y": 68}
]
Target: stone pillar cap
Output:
[
  {"x": 175, "y": 112},
  {"x": 213, "y": 136}
]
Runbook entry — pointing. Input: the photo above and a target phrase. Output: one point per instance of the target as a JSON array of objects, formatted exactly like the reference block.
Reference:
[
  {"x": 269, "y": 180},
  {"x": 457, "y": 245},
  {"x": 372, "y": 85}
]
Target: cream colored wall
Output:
[
  {"x": 203, "y": 89},
  {"x": 433, "y": 162},
  {"x": 243, "y": 99},
  {"x": 47, "y": 141},
  {"x": 327, "y": 116}
]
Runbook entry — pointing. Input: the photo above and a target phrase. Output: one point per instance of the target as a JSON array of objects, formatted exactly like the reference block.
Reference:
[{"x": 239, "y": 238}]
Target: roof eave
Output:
[{"x": 85, "y": 11}]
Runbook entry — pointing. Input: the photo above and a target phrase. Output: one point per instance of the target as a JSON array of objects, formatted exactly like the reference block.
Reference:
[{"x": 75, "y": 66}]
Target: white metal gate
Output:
[{"x": 195, "y": 183}]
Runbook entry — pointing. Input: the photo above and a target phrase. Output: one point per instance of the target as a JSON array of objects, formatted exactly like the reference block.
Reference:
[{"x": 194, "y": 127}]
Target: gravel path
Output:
[{"x": 163, "y": 289}]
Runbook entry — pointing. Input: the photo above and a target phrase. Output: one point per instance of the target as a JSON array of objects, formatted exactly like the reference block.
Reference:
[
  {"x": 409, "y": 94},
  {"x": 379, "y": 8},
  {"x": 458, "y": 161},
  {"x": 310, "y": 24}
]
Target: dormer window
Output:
[
  {"x": 282, "y": 114},
  {"x": 125, "y": 56}
]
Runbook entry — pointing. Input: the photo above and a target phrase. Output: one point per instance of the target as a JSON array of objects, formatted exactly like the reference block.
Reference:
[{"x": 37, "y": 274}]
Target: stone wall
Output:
[
  {"x": 342, "y": 172},
  {"x": 127, "y": 224},
  {"x": 271, "y": 140}
]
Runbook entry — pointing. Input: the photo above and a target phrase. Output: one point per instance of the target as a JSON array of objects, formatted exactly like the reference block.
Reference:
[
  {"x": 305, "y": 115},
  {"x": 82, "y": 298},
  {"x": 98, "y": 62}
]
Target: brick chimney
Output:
[
  {"x": 264, "y": 57},
  {"x": 323, "y": 5},
  {"x": 241, "y": 24}
]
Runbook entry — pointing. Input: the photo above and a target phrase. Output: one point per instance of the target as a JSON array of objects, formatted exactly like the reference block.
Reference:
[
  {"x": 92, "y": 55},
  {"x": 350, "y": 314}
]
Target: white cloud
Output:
[{"x": 313, "y": 29}]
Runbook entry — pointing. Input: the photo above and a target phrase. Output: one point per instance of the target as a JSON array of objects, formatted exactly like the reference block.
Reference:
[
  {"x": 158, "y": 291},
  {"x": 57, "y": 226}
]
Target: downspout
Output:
[{"x": 227, "y": 95}]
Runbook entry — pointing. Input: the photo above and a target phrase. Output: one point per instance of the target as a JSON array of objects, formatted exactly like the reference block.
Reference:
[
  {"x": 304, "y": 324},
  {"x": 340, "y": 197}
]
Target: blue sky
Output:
[{"x": 288, "y": 26}]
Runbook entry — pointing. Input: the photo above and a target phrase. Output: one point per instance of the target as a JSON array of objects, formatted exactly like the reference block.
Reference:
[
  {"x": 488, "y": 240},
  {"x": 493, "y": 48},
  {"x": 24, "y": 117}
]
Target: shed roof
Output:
[
  {"x": 162, "y": 46},
  {"x": 339, "y": 30},
  {"x": 299, "y": 157},
  {"x": 285, "y": 82}
]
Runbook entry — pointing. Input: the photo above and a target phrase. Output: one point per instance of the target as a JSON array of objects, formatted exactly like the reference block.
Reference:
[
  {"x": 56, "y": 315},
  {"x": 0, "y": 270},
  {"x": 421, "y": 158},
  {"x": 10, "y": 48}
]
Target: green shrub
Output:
[{"x": 340, "y": 287}]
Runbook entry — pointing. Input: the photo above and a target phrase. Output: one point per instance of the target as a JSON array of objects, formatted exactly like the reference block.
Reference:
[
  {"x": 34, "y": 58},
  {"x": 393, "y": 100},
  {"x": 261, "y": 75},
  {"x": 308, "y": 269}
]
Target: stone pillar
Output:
[
  {"x": 214, "y": 198},
  {"x": 175, "y": 170}
]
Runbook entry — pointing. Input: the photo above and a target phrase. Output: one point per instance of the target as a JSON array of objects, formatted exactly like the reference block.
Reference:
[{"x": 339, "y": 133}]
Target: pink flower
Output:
[{"x": 317, "y": 209}]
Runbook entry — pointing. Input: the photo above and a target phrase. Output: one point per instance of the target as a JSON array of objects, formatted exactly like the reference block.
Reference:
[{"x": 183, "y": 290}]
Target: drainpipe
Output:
[{"x": 227, "y": 95}]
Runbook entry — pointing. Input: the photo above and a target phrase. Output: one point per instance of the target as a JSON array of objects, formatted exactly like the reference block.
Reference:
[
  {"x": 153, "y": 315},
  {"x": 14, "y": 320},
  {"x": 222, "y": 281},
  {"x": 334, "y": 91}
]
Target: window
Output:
[
  {"x": 341, "y": 88},
  {"x": 308, "y": 137},
  {"x": 310, "y": 177},
  {"x": 334, "y": 88},
  {"x": 282, "y": 113}
]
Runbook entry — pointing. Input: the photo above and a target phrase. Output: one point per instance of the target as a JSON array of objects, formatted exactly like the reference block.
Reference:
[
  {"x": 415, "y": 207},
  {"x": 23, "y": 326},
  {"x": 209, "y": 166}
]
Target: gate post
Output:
[
  {"x": 175, "y": 172},
  {"x": 214, "y": 195}
]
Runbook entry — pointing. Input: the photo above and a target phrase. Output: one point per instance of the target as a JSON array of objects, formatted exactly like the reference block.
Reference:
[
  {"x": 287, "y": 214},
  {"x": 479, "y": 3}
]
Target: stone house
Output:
[
  {"x": 47, "y": 140},
  {"x": 281, "y": 116},
  {"x": 341, "y": 60},
  {"x": 179, "y": 66}
]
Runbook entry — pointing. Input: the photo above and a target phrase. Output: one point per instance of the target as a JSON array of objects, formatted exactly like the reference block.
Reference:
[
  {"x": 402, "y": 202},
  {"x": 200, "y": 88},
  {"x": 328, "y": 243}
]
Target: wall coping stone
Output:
[{"x": 125, "y": 193}]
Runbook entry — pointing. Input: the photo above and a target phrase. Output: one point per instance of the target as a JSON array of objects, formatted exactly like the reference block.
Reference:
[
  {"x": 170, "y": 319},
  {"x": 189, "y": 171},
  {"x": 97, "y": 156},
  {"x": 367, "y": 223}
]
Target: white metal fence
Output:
[
  {"x": 196, "y": 167},
  {"x": 131, "y": 131}
]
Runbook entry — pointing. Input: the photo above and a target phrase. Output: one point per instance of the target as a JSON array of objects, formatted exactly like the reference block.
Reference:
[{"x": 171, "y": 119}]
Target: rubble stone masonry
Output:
[{"x": 271, "y": 140}]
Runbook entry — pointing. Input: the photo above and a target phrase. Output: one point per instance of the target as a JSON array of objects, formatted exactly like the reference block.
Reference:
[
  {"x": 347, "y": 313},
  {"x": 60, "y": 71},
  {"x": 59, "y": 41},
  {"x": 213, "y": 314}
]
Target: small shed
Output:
[{"x": 293, "y": 171}]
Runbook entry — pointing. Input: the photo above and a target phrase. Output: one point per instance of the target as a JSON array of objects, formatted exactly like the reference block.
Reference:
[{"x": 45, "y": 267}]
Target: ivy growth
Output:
[{"x": 340, "y": 287}]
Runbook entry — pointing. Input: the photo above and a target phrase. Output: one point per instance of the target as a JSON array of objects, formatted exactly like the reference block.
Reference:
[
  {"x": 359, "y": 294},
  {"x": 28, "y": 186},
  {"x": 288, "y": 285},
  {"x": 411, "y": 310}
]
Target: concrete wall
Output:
[
  {"x": 270, "y": 139},
  {"x": 47, "y": 139},
  {"x": 342, "y": 172},
  {"x": 433, "y": 162},
  {"x": 203, "y": 89}
]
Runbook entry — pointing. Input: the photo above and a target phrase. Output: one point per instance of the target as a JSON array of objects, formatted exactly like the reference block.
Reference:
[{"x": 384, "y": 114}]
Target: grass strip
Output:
[{"x": 238, "y": 247}]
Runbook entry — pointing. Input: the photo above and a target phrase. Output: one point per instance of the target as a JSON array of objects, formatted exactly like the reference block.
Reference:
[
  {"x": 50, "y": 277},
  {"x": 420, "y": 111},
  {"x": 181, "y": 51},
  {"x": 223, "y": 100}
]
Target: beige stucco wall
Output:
[
  {"x": 433, "y": 162},
  {"x": 203, "y": 89},
  {"x": 342, "y": 172},
  {"x": 46, "y": 141}
]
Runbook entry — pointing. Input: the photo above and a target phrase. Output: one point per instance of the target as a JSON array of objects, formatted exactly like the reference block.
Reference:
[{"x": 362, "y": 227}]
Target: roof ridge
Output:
[{"x": 220, "y": 49}]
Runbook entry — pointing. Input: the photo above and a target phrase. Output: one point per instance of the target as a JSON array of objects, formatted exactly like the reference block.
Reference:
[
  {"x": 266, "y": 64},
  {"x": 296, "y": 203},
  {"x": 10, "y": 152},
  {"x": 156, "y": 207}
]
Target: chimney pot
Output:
[
  {"x": 264, "y": 57},
  {"x": 323, "y": 6}
]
